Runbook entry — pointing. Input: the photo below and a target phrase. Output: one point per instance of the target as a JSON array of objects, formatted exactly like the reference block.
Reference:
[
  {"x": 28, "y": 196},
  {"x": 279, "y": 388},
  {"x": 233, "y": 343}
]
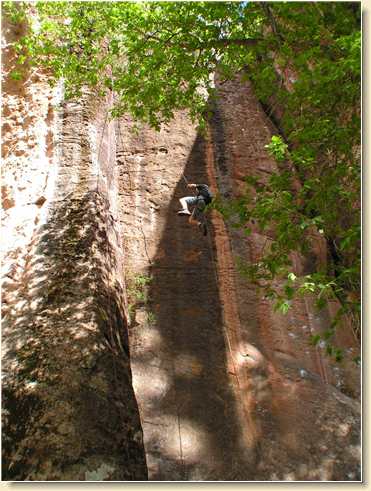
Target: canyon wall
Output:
[
  {"x": 132, "y": 347},
  {"x": 228, "y": 389},
  {"x": 303, "y": 404},
  {"x": 69, "y": 410}
]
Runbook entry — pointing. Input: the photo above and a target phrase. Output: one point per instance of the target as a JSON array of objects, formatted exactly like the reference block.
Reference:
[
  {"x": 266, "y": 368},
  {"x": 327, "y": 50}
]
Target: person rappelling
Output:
[{"x": 198, "y": 204}]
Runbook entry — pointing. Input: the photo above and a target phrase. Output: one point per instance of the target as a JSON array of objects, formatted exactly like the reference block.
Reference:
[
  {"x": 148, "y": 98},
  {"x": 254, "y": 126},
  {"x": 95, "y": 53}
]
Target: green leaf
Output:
[
  {"x": 315, "y": 339},
  {"x": 14, "y": 75},
  {"x": 291, "y": 276},
  {"x": 339, "y": 354},
  {"x": 289, "y": 291},
  {"x": 321, "y": 303},
  {"x": 282, "y": 306}
]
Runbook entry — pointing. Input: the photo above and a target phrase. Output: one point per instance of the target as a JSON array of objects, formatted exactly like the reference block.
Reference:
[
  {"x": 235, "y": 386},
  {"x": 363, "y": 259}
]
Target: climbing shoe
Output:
[{"x": 184, "y": 212}]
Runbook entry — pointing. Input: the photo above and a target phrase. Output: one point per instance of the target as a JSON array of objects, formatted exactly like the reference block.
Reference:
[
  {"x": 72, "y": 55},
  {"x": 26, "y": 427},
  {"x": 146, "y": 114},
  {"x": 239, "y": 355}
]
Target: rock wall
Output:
[
  {"x": 302, "y": 406},
  {"x": 205, "y": 339},
  {"x": 29, "y": 127},
  {"x": 191, "y": 416},
  {"x": 69, "y": 410},
  {"x": 227, "y": 389}
]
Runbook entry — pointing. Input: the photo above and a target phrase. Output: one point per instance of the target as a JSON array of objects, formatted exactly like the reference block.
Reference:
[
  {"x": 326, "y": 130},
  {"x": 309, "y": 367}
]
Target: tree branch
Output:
[
  {"x": 200, "y": 44},
  {"x": 237, "y": 42},
  {"x": 218, "y": 43},
  {"x": 272, "y": 20}
]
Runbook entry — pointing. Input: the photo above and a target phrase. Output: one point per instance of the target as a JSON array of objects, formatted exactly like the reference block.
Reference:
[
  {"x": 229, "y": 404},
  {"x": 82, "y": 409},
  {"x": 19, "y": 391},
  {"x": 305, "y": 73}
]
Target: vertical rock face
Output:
[
  {"x": 298, "y": 400},
  {"x": 191, "y": 414},
  {"x": 29, "y": 126},
  {"x": 226, "y": 388},
  {"x": 69, "y": 411}
]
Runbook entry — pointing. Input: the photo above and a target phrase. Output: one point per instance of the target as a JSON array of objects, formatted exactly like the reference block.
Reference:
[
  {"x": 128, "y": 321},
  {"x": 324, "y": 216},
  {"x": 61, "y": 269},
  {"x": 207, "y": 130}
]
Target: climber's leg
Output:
[
  {"x": 185, "y": 202},
  {"x": 192, "y": 219},
  {"x": 197, "y": 216}
]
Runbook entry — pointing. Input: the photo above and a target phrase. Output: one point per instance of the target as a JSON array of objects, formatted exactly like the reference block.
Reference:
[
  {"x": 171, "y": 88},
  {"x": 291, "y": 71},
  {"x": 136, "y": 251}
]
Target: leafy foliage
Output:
[
  {"x": 137, "y": 291},
  {"x": 156, "y": 56},
  {"x": 304, "y": 62},
  {"x": 316, "y": 66}
]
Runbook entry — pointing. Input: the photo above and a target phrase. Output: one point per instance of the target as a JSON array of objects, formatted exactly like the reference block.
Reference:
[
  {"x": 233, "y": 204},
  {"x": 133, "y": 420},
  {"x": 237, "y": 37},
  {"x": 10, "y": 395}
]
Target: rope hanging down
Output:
[{"x": 185, "y": 179}]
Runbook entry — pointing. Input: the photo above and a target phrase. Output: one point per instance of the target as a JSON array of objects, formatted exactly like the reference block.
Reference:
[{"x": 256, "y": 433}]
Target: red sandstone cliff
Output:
[{"x": 219, "y": 385}]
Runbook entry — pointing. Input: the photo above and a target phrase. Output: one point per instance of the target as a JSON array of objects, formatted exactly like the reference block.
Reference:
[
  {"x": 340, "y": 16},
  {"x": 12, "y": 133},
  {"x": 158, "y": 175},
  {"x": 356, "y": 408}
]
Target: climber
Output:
[{"x": 198, "y": 202}]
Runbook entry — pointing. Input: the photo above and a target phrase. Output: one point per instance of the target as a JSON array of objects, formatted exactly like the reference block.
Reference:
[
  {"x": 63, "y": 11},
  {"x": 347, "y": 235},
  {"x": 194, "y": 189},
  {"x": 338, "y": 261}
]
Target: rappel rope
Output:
[
  {"x": 185, "y": 179},
  {"x": 216, "y": 276}
]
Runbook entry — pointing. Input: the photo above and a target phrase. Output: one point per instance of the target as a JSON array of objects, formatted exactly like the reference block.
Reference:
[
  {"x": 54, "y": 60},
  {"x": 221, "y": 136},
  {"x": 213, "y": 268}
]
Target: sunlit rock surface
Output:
[
  {"x": 69, "y": 410},
  {"x": 223, "y": 387}
]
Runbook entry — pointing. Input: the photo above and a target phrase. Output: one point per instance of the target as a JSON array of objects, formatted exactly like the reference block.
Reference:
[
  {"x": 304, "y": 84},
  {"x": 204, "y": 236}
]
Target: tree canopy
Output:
[
  {"x": 304, "y": 60},
  {"x": 155, "y": 55}
]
